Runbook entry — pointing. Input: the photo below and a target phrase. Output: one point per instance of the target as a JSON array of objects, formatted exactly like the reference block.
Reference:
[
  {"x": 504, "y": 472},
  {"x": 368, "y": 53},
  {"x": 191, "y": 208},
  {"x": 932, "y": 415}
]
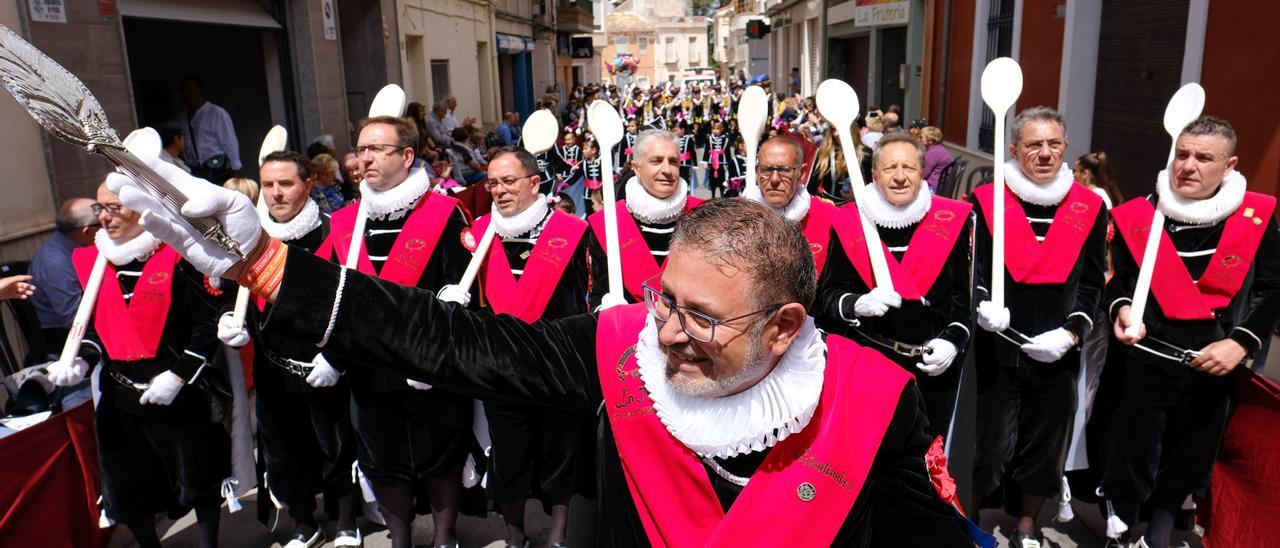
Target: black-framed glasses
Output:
[
  {"x": 784, "y": 172},
  {"x": 696, "y": 324},
  {"x": 507, "y": 183},
  {"x": 381, "y": 150},
  {"x": 111, "y": 209}
]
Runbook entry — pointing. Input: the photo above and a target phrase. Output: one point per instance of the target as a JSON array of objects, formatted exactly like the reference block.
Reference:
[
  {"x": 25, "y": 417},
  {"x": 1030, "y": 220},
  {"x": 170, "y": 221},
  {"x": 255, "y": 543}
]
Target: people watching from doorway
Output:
[{"x": 211, "y": 148}]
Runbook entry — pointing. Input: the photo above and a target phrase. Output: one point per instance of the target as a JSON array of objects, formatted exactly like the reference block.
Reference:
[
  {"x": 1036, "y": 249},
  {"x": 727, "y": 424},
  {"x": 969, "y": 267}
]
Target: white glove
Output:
[
  {"x": 232, "y": 209},
  {"x": 1050, "y": 346},
  {"x": 231, "y": 332},
  {"x": 163, "y": 390},
  {"x": 454, "y": 294},
  {"x": 61, "y": 373},
  {"x": 936, "y": 363},
  {"x": 417, "y": 385},
  {"x": 876, "y": 302},
  {"x": 322, "y": 374},
  {"x": 991, "y": 318},
  {"x": 611, "y": 300}
]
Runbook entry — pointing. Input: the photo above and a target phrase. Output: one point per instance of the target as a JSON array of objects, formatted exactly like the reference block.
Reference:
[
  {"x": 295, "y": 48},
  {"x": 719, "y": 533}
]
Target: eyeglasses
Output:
[
  {"x": 785, "y": 172},
  {"x": 697, "y": 325},
  {"x": 508, "y": 183},
  {"x": 1054, "y": 145},
  {"x": 111, "y": 209},
  {"x": 381, "y": 150}
]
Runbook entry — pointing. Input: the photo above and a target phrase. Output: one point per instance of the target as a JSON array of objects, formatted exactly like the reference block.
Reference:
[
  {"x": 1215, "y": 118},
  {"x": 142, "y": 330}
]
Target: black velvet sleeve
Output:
[
  {"x": 1123, "y": 278},
  {"x": 1264, "y": 307},
  {"x": 408, "y": 331},
  {"x": 960, "y": 318},
  {"x": 1093, "y": 279},
  {"x": 599, "y": 269},
  {"x": 839, "y": 287},
  {"x": 203, "y": 309}
]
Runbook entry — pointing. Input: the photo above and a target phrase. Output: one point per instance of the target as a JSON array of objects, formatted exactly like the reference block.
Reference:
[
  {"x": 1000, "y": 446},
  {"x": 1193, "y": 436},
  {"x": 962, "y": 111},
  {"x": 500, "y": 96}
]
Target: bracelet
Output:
[
  {"x": 333, "y": 314},
  {"x": 269, "y": 281},
  {"x": 249, "y": 276}
]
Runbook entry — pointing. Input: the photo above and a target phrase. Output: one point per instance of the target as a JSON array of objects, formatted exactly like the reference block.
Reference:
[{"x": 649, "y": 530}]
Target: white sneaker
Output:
[
  {"x": 349, "y": 538},
  {"x": 301, "y": 541}
]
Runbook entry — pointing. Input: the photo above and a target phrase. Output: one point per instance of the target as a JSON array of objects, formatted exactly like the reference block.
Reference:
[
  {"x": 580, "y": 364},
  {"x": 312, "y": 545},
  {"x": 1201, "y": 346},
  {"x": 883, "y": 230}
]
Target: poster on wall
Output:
[
  {"x": 330, "y": 25},
  {"x": 878, "y": 13},
  {"x": 49, "y": 11}
]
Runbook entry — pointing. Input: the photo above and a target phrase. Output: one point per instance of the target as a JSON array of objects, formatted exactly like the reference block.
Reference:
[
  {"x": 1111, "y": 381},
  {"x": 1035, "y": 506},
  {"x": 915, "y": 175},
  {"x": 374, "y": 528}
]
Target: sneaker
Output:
[
  {"x": 302, "y": 541},
  {"x": 349, "y": 538},
  {"x": 1026, "y": 540}
]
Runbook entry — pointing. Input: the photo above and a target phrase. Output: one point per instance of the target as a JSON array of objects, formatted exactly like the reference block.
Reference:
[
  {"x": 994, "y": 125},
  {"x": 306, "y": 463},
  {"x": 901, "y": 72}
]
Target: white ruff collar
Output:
[
  {"x": 753, "y": 420},
  {"x": 885, "y": 214},
  {"x": 520, "y": 223},
  {"x": 653, "y": 210},
  {"x": 397, "y": 201},
  {"x": 1208, "y": 211},
  {"x": 794, "y": 211},
  {"x": 1036, "y": 193},
  {"x": 300, "y": 225},
  {"x": 140, "y": 248}
]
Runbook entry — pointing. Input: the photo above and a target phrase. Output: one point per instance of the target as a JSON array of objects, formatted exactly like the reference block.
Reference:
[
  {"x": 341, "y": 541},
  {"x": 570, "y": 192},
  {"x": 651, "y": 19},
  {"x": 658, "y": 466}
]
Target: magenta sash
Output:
[
  {"x": 817, "y": 226},
  {"x": 717, "y": 156},
  {"x": 807, "y": 484},
  {"x": 1180, "y": 297},
  {"x": 685, "y": 156},
  {"x": 131, "y": 331},
  {"x": 1050, "y": 262},
  {"x": 638, "y": 263},
  {"x": 527, "y": 298},
  {"x": 930, "y": 246},
  {"x": 413, "y": 247}
]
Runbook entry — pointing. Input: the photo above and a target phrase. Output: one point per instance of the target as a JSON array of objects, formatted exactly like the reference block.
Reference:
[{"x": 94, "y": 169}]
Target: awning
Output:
[
  {"x": 240, "y": 13},
  {"x": 512, "y": 44}
]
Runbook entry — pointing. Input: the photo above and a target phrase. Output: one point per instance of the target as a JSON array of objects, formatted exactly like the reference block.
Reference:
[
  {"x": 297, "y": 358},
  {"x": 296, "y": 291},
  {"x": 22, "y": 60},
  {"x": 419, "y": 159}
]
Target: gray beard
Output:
[{"x": 754, "y": 368}]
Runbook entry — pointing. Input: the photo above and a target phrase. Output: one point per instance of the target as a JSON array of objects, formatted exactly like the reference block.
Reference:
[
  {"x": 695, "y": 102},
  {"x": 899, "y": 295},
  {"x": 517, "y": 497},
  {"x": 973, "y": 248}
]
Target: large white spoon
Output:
[
  {"x": 753, "y": 117},
  {"x": 1184, "y": 107},
  {"x": 1001, "y": 86},
  {"x": 275, "y": 141},
  {"x": 606, "y": 125},
  {"x": 390, "y": 101},
  {"x": 538, "y": 135},
  {"x": 838, "y": 103}
]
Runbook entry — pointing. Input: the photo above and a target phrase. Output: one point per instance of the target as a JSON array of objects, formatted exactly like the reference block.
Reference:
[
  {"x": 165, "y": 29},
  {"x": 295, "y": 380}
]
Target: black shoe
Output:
[{"x": 1026, "y": 540}]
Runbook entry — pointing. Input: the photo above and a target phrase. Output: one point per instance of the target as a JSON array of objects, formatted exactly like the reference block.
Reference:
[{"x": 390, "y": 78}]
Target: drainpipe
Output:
[
  {"x": 822, "y": 42},
  {"x": 946, "y": 55}
]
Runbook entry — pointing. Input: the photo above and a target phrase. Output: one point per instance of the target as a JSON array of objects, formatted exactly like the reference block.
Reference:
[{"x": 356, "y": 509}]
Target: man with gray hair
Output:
[
  {"x": 438, "y": 124},
  {"x": 653, "y": 200},
  {"x": 1055, "y": 258},
  {"x": 52, "y": 271}
]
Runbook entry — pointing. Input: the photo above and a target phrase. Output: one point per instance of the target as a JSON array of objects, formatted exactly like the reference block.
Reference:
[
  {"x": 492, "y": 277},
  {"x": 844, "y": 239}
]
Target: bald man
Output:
[{"x": 51, "y": 269}]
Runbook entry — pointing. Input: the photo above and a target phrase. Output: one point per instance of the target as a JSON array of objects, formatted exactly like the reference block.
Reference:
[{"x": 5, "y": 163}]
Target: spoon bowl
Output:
[
  {"x": 390, "y": 101},
  {"x": 604, "y": 123},
  {"x": 540, "y": 132},
  {"x": 144, "y": 143},
  {"x": 753, "y": 115},
  {"x": 1001, "y": 84},
  {"x": 275, "y": 141},
  {"x": 838, "y": 103}
]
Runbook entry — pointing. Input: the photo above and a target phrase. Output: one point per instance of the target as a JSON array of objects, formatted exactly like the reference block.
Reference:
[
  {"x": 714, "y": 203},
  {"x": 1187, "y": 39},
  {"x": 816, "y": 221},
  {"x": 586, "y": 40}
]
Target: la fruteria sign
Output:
[{"x": 878, "y": 13}]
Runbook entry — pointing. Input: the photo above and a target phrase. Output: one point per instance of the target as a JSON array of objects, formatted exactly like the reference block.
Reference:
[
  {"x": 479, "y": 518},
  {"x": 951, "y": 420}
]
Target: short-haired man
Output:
[
  {"x": 725, "y": 416},
  {"x": 210, "y": 132},
  {"x": 653, "y": 200},
  {"x": 158, "y": 422},
  {"x": 1215, "y": 297},
  {"x": 509, "y": 130},
  {"x": 404, "y": 431},
  {"x": 1055, "y": 252},
  {"x": 923, "y": 322},
  {"x": 437, "y": 124},
  {"x": 303, "y": 406},
  {"x": 536, "y": 269},
  {"x": 53, "y": 272}
]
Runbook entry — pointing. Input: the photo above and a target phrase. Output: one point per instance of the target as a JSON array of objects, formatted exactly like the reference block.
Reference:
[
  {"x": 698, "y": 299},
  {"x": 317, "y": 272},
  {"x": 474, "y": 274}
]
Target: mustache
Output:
[{"x": 683, "y": 351}]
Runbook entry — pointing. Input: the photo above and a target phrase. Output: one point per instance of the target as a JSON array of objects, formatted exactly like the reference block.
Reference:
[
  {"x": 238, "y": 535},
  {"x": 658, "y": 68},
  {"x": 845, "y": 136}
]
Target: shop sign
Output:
[
  {"x": 49, "y": 11},
  {"x": 330, "y": 24},
  {"x": 878, "y": 13}
]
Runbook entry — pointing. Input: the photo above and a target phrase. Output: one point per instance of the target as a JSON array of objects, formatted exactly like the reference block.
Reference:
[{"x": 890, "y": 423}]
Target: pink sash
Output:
[
  {"x": 527, "y": 298},
  {"x": 930, "y": 246},
  {"x": 817, "y": 226},
  {"x": 807, "y": 484},
  {"x": 1050, "y": 262},
  {"x": 413, "y": 247},
  {"x": 717, "y": 156},
  {"x": 1180, "y": 297},
  {"x": 131, "y": 331},
  {"x": 638, "y": 263}
]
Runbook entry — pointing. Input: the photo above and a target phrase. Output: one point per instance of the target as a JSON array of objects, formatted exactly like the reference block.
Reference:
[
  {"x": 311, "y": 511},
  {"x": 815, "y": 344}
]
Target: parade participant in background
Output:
[
  {"x": 1055, "y": 259},
  {"x": 536, "y": 268},
  {"x": 626, "y": 149},
  {"x": 302, "y": 404},
  {"x": 566, "y": 156},
  {"x": 161, "y": 441},
  {"x": 724, "y": 407},
  {"x": 1215, "y": 298},
  {"x": 719, "y": 145},
  {"x": 924, "y": 323},
  {"x": 652, "y": 201},
  {"x": 687, "y": 145},
  {"x": 737, "y": 170},
  {"x": 405, "y": 432}
]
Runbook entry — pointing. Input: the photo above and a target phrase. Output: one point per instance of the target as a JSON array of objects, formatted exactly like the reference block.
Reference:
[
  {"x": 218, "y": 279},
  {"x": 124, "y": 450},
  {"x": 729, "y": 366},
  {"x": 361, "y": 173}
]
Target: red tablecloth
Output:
[
  {"x": 1244, "y": 499},
  {"x": 49, "y": 483}
]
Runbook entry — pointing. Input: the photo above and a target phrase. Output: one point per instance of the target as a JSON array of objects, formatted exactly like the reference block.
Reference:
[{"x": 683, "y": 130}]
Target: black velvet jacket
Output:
[
  {"x": 1035, "y": 309},
  {"x": 944, "y": 313},
  {"x": 285, "y": 347},
  {"x": 1248, "y": 319},
  {"x": 657, "y": 236},
  {"x": 552, "y": 363}
]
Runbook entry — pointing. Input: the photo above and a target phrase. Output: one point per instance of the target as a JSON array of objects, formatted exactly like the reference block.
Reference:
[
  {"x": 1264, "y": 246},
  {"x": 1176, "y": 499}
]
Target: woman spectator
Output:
[
  {"x": 248, "y": 187},
  {"x": 325, "y": 191},
  {"x": 936, "y": 156},
  {"x": 1094, "y": 171}
]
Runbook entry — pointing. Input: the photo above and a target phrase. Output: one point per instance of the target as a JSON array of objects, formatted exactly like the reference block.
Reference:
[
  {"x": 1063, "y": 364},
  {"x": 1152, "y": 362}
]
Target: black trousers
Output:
[
  {"x": 407, "y": 434},
  {"x": 1025, "y": 416},
  {"x": 1165, "y": 435},
  {"x": 536, "y": 447},
  {"x": 307, "y": 443}
]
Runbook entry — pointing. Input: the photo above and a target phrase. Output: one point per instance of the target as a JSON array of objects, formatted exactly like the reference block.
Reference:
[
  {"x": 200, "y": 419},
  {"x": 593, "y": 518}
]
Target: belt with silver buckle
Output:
[
  {"x": 301, "y": 369},
  {"x": 900, "y": 348},
  {"x": 119, "y": 377},
  {"x": 1181, "y": 355}
]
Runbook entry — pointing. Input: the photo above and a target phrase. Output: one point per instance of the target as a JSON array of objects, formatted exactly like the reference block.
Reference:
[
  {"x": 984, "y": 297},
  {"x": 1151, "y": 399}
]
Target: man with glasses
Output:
[
  {"x": 52, "y": 271},
  {"x": 653, "y": 200},
  {"x": 923, "y": 323},
  {"x": 725, "y": 416},
  {"x": 536, "y": 269},
  {"x": 159, "y": 421},
  {"x": 1055, "y": 252},
  {"x": 405, "y": 431}
]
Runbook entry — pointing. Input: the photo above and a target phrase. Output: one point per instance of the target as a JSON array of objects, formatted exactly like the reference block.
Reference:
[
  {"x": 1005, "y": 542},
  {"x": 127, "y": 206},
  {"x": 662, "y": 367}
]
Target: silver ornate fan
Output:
[{"x": 60, "y": 102}]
